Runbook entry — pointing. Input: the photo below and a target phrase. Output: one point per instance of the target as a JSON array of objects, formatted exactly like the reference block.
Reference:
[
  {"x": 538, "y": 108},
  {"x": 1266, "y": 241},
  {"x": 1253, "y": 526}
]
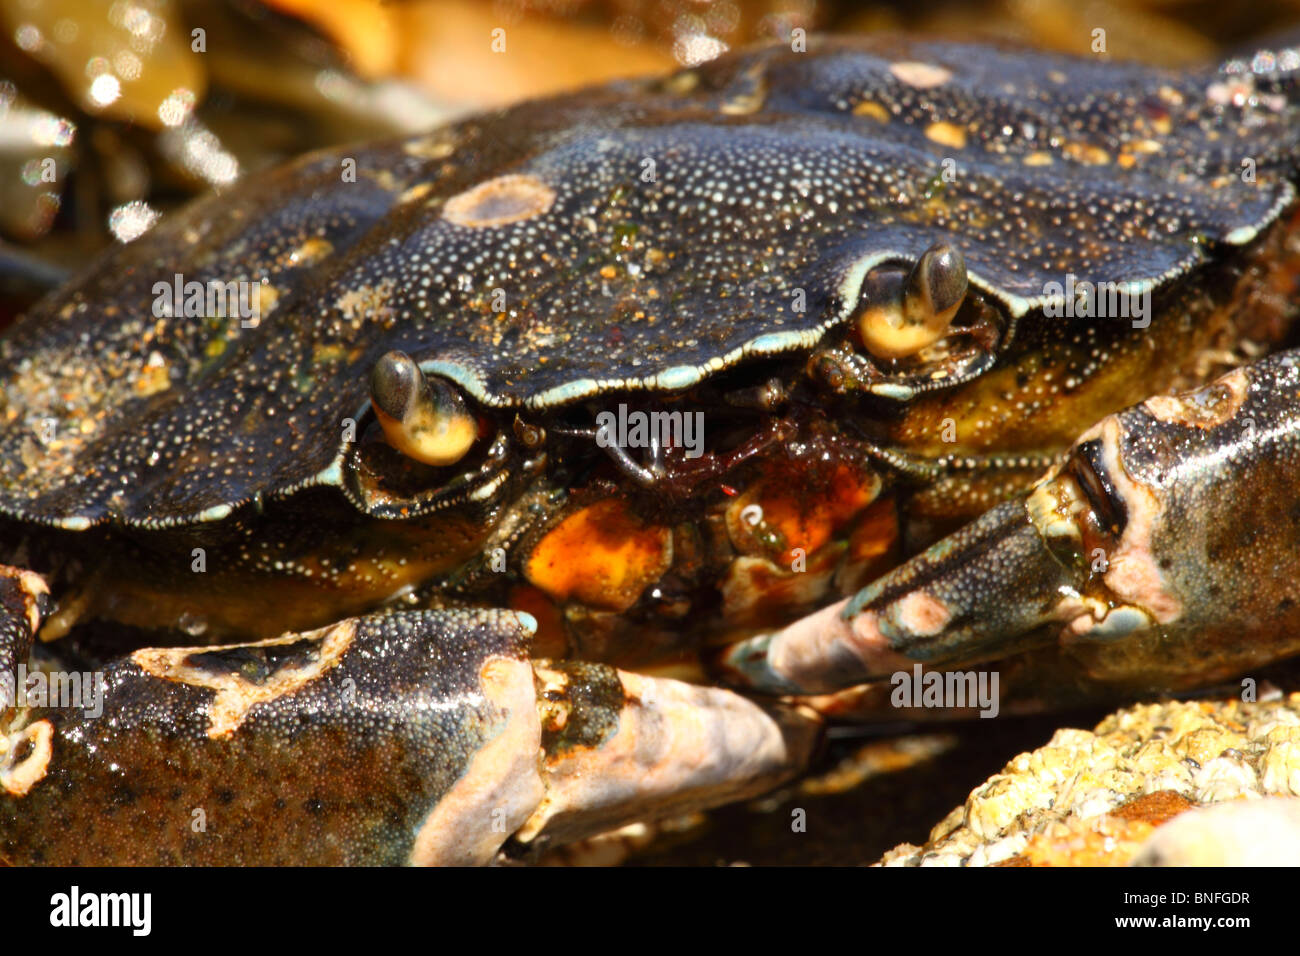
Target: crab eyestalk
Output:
[
  {"x": 423, "y": 418},
  {"x": 906, "y": 313}
]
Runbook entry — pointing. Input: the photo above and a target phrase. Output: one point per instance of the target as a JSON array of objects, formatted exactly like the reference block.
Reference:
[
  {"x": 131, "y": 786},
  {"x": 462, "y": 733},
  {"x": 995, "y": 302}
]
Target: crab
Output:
[{"x": 446, "y": 499}]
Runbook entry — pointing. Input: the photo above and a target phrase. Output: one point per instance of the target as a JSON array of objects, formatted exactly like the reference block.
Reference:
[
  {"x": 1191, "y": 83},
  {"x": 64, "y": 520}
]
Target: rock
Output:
[
  {"x": 1242, "y": 833},
  {"x": 1100, "y": 797}
]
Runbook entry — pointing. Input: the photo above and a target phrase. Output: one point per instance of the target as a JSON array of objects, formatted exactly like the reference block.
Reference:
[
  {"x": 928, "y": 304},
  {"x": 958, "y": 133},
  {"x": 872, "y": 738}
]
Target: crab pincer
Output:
[
  {"x": 424, "y": 737},
  {"x": 1131, "y": 556}
]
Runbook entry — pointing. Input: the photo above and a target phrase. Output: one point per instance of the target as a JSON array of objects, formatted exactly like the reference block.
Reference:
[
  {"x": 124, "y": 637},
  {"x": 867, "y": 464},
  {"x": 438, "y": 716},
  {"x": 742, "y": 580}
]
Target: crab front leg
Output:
[
  {"x": 1162, "y": 554},
  {"x": 415, "y": 737}
]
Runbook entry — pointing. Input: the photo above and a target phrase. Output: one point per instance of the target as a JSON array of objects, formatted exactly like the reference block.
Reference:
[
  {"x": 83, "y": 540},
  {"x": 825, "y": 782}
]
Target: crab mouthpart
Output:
[
  {"x": 904, "y": 314},
  {"x": 425, "y": 419}
]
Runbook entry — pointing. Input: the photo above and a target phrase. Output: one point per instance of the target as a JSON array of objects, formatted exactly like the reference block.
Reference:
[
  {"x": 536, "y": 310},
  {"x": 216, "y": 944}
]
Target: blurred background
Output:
[{"x": 114, "y": 111}]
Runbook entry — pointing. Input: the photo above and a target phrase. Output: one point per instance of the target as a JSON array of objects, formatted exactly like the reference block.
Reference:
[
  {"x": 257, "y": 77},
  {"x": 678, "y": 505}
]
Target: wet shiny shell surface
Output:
[{"x": 640, "y": 235}]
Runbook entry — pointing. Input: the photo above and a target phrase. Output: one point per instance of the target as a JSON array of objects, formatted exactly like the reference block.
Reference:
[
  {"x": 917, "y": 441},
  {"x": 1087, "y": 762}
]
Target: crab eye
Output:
[
  {"x": 904, "y": 314},
  {"x": 425, "y": 419}
]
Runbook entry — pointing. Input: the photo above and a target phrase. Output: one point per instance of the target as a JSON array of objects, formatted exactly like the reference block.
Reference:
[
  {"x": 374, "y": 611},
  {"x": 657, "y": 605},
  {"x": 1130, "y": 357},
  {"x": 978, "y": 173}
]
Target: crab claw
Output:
[
  {"x": 422, "y": 737},
  {"x": 973, "y": 594},
  {"x": 620, "y": 747},
  {"x": 406, "y": 737},
  {"x": 1137, "y": 554}
]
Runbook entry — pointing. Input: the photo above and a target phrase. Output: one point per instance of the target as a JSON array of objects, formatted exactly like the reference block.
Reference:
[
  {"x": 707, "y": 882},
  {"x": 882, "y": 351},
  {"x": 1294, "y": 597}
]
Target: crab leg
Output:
[
  {"x": 415, "y": 737},
  {"x": 1163, "y": 553}
]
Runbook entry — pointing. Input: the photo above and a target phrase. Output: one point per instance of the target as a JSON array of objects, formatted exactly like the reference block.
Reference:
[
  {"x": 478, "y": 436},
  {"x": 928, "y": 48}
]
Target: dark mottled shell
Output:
[{"x": 640, "y": 236}]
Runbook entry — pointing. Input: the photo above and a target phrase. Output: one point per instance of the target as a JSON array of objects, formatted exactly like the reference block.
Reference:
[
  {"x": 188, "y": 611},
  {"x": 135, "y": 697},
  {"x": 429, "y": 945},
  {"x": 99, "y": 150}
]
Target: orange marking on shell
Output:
[
  {"x": 1087, "y": 154},
  {"x": 873, "y": 110},
  {"x": 946, "y": 134},
  {"x": 499, "y": 202},
  {"x": 602, "y": 556},
  {"x": 805, "y": 520},
  {"x": 873, "y": 545},
  {"x": 922, "y": 76}
]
